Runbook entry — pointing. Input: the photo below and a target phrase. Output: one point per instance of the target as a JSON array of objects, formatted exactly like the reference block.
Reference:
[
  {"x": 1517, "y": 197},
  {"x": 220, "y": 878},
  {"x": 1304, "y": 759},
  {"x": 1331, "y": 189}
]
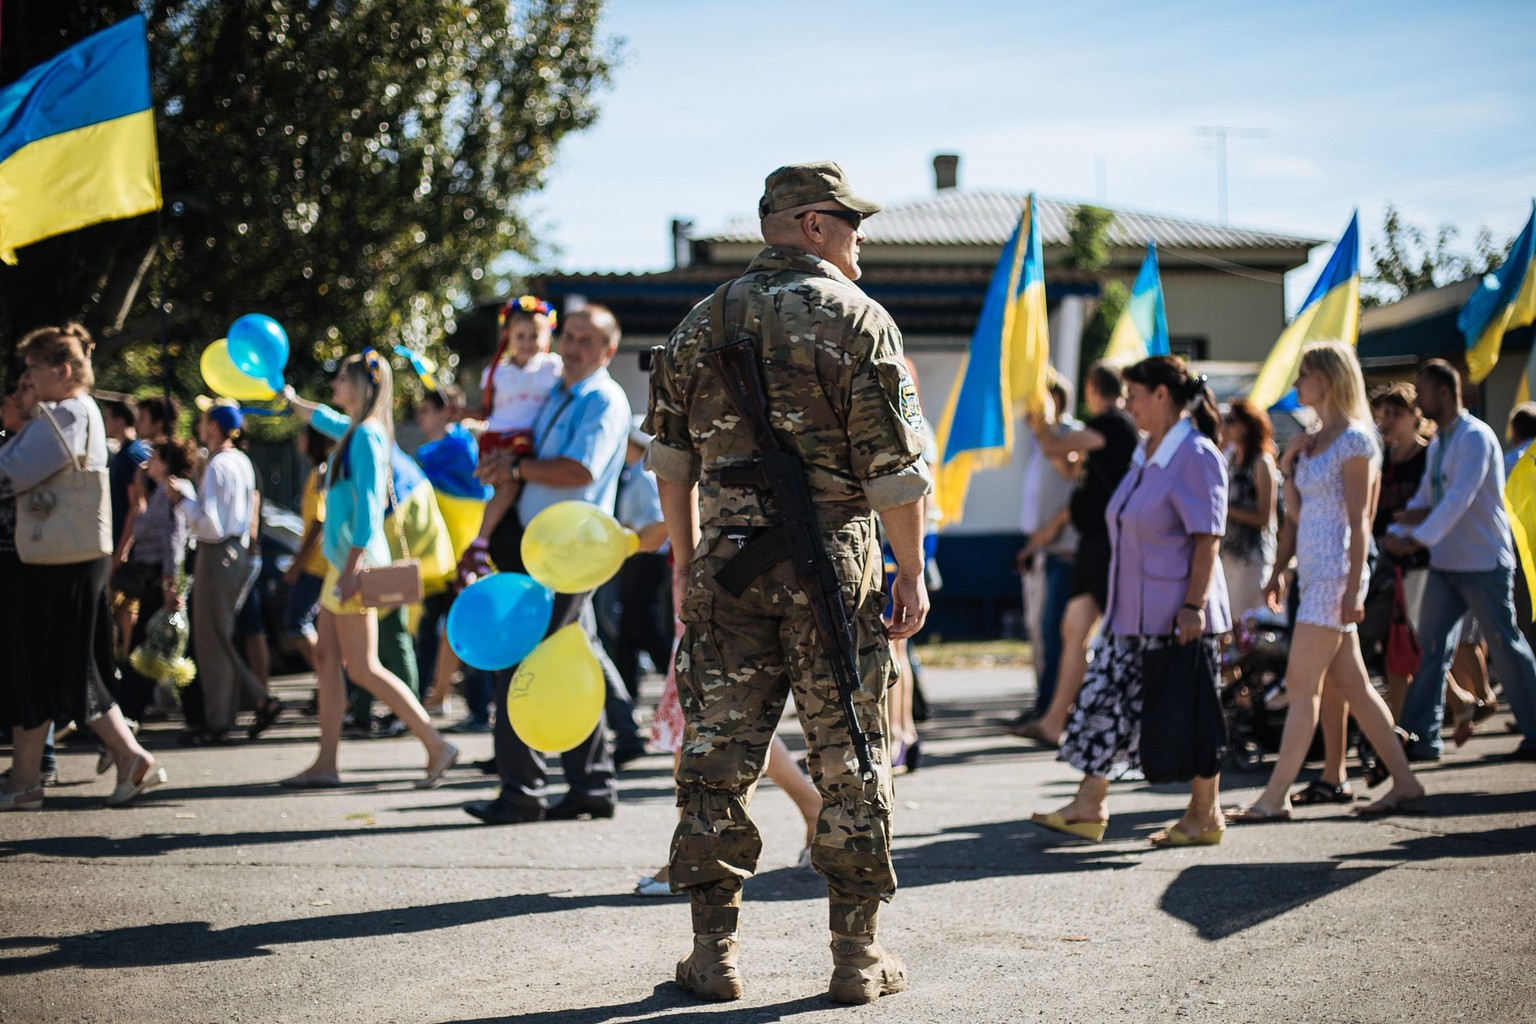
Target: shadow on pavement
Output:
[
  {"x": 192, "y": 942},
  {"x": 154, "y": 844},
  {"x": 667, "y": 997},
  {"x": 1221, "y": 900}
]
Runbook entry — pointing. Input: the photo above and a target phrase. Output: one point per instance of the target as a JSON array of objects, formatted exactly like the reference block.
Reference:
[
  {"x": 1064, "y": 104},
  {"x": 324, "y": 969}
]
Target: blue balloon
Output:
[
  {"x": 258, "y": 345},
  {"x": 498, "y": 620}
]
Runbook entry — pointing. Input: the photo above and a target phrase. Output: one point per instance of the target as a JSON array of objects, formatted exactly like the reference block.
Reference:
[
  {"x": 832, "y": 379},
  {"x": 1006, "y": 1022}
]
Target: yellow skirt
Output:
[{"x": 331, "y": 601}]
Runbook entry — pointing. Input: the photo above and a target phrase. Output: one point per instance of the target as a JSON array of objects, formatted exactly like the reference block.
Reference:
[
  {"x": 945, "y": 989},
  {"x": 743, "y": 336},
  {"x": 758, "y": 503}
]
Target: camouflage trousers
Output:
[{"x": 739, "y": 660}]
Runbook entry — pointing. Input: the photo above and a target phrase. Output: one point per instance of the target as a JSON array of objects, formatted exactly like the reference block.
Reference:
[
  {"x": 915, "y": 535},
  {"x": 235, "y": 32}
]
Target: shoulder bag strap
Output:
[
  {"x": 394, "y": 510},
  {"x": 717, "y": 314},
  {"x": 81, "y": 461}
]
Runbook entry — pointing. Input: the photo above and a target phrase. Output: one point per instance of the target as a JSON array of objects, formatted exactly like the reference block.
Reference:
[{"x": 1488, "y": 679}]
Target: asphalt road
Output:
[{"x": 223, "y": 898}]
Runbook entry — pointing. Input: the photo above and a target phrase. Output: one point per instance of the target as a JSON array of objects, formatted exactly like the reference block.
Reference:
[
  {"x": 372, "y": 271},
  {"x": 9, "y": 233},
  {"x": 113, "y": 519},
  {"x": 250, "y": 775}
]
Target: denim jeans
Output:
[
  {"x": 1058, "y": 591},
  {"x": 1447, "y": 597}
]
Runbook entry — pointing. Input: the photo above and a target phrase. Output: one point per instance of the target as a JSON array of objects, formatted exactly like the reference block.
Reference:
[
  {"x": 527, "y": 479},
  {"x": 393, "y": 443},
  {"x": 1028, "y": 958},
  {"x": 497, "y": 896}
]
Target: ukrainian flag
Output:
[
  {"x": 1004, "y": 372},
  {"x": 1331, "y": 313},
  {"x": 421, "y": 524},
  {"x": 1506, "y": 300},
  {"x": 1142, "y": 329},
  {"x": 77, "y": 140}
]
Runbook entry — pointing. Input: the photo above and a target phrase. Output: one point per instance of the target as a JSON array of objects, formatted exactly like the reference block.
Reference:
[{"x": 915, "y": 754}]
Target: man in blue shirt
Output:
[
  {"x": 1458, "y": 515},
  {"x": 578, "y": 451}
]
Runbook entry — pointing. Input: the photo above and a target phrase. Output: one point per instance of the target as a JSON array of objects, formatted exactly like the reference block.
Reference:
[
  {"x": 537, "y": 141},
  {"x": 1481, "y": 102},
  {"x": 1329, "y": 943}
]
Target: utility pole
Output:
[{"x": 1221, "y": 132}]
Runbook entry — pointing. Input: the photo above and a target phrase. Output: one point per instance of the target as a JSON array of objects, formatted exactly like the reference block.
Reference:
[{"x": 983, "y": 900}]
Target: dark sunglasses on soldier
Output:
[{"x": 851, "y": 216}]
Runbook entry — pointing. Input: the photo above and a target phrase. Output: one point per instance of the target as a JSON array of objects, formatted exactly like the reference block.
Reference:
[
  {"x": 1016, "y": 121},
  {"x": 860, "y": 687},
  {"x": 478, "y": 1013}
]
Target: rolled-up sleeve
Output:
[
  {"x": 886, "y": 434},
  {"x": 671, "y": 454}
]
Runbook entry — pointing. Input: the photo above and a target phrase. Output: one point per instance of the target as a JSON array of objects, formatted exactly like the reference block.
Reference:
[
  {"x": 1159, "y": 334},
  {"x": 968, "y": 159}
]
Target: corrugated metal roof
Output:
[{"x": 963, "y": 217}]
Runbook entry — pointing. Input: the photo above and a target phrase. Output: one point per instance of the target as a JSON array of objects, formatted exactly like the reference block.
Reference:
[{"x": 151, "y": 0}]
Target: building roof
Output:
[
  {"x": 987, "y": 218},
  {"x": 925, "y": 300}
]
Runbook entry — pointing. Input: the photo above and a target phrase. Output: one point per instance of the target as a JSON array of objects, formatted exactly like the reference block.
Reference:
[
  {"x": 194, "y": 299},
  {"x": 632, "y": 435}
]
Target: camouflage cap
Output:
[{"x": 802, "y": 184}]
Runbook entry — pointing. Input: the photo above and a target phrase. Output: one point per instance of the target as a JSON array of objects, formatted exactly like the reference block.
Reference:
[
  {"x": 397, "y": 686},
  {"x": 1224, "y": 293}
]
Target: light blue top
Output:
[
  {"x": 357, "y": 494},
  {"x": 1463, "y": 490},
  {"x": 589, "y": 423}
]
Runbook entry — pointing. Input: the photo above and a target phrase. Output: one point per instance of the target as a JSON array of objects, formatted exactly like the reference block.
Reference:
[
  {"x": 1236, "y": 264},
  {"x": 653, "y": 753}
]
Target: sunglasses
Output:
[{"x": 851, "y": 216}]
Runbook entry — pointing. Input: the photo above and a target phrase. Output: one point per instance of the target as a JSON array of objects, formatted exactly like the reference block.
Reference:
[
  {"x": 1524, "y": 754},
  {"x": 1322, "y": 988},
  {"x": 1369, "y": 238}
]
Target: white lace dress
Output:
[{"x": 1322, "y": 532}]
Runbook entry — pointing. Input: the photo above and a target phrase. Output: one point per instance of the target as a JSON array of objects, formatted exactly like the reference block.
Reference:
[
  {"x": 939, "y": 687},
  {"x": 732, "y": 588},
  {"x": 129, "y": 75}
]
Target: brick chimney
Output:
[{"x": 946, "y": 171}]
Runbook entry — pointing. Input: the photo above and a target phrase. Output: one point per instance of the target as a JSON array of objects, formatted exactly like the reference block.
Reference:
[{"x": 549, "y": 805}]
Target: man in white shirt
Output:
[
  {"x": 1458, "y": 514},
  {"x": 220, "y": 518}
]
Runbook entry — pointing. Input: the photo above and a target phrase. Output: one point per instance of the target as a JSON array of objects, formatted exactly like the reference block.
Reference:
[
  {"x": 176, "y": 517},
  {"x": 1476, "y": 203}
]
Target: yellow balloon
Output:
[
  {"x": 227, "y": 380},
  {"x": 556, "y": 695},
  {"x": 572, "y": 547}
]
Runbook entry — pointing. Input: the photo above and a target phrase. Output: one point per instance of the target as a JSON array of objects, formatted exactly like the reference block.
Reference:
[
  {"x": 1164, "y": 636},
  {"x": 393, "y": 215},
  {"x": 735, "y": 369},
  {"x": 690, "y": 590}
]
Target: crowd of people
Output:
[
  {"x": 1154, "y": 498},
  {"x": 1154, "y": 526},
  {"x": 1385, "y": 515}
]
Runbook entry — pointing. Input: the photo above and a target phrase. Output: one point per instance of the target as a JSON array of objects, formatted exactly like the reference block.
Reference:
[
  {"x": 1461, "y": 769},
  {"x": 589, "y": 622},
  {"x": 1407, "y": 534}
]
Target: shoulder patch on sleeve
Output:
[{"x": 911, "y": 409}]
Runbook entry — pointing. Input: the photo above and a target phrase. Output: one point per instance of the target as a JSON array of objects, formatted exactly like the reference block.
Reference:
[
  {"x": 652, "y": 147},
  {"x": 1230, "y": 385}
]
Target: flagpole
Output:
[{"x": 166, "y": 375}]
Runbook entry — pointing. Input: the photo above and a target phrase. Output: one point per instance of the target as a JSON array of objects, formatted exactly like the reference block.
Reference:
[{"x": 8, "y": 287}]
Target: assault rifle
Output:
[{"x": 796, "y": 535}]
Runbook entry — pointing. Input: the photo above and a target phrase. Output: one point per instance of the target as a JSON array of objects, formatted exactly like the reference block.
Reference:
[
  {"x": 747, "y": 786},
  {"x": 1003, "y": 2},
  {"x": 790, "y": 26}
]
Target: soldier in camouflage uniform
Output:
[{"x": 839, "y": 396}]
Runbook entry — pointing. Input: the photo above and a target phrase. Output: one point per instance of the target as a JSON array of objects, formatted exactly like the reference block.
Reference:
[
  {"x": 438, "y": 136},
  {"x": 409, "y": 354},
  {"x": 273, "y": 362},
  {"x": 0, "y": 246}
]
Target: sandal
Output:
[
  {"x": 1377, "y": 773},
  {"x": 1320, "y": 792},
  {"x": 265, "y": 716},
  {"x": 1254, "y": 814}
]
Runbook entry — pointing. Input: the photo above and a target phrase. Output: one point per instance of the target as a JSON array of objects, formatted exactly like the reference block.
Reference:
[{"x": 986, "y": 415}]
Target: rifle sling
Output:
[{"x": 756, "y": 557}]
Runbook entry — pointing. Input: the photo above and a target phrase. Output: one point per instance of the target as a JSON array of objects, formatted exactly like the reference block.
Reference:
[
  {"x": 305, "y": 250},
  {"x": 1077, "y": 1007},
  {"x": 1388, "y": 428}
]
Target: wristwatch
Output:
[{"x": 517, "y": 470}]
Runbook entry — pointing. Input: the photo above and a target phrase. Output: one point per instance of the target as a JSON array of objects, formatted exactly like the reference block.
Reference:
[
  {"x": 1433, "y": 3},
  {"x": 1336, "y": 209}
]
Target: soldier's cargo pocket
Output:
[
  {"x": 697, "y": 654},
  {"x": 877, "y": 668}
]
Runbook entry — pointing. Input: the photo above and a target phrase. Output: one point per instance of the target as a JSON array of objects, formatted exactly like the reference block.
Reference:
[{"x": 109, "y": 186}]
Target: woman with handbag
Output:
[
  {"x": 1166, "y": 609},
  {"x": 56, "y": 468},
  {"x": 1333, "y": 477},
  {"x": 357, "y": 492}
]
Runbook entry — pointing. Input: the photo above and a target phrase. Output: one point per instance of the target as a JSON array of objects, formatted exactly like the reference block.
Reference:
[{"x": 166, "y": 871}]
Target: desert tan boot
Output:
[
  {"x": 863, "y": 970},
  {"x": 709, "y": 972}
]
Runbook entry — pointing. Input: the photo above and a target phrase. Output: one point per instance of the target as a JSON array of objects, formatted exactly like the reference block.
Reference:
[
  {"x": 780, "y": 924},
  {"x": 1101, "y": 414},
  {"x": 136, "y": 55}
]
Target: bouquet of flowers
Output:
[{"x": 162, "y": 655}]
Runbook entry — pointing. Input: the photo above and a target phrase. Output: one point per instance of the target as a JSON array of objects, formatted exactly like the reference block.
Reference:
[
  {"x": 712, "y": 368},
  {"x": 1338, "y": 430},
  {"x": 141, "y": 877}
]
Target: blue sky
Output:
[{"x": 1431, "y": 106}]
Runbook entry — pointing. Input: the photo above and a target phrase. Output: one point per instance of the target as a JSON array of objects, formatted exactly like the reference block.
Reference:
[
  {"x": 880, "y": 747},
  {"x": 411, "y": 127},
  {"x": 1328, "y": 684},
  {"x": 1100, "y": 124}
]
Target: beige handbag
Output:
[
  {"x": 395, "y": 584},
  {"x": 70, "y": 513}
]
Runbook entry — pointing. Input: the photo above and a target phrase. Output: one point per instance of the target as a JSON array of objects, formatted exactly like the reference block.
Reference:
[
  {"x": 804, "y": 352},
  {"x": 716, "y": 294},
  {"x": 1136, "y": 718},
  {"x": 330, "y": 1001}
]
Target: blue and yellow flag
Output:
[
  {"x": 1331, "y": 313},
  {"x": 1142, "y": 329},
  {"x": 1004, "y": 371},
  {"x": 425, "y": 368},
  {"x": 1506, "y": 300},
  {"x": 77, "y": 140},
  {"x": 421, "y": 524}
]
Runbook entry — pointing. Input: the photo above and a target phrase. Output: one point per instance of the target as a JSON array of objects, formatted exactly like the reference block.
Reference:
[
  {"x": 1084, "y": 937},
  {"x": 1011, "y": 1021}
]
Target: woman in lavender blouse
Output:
[{"x": 1166, "y": 586}]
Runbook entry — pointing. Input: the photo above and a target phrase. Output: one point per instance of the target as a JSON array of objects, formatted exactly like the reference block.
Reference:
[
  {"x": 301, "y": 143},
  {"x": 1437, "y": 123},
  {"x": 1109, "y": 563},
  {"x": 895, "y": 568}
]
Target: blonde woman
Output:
[
  {"x": 356, "y": 498},
  {"x": 1333, "y": 478}
]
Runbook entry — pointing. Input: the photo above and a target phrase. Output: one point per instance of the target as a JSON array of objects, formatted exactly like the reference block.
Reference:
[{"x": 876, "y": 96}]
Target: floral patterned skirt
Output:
[{"x": 1103, "y": 737}]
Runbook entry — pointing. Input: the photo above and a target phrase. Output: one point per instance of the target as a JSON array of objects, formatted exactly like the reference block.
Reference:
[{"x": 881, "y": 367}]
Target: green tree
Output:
[
  {"x": 1088, "y": 238},
  {"x": 1405, "y": 259},
  {"x": 353, "y": 169}
]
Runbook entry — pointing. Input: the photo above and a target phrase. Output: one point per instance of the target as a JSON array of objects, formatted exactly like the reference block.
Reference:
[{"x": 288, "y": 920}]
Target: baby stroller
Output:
[{"x": 1253, "y": 687}]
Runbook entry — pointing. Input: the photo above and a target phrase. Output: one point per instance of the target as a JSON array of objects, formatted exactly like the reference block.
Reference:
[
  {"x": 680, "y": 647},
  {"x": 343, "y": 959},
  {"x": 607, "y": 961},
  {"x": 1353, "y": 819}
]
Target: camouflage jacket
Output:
[{"x": 839, "y": 395}]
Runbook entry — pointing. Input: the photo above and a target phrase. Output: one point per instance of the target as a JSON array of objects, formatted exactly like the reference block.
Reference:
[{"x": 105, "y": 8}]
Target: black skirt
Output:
[
  {"x": 56, "y": 634},
  {"x": 1090, "y": 569}
]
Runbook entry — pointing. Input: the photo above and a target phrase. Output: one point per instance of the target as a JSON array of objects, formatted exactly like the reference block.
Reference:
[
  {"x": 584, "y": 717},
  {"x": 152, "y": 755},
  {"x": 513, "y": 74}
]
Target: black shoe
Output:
[
  {"x": 202, "y": 738},
  {"x": 628, "y": 752},
  {"x": 502, "y": 811},
  {"x": 265, "y": 716},
  {"x": 1518, "y": 754},
  {"x": 486, "y": 767},
  {"x": 580, "y": 805}
]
